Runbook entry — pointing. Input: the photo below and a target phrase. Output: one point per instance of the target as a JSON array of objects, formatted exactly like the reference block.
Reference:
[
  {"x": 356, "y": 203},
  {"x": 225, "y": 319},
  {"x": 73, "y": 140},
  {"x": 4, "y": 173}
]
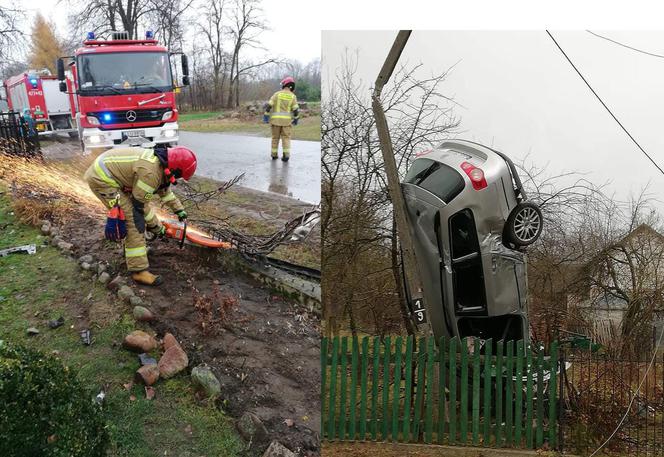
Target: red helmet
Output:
[
  {"x": 287, "y": 80},
  {"x": 182, "y": 160}
]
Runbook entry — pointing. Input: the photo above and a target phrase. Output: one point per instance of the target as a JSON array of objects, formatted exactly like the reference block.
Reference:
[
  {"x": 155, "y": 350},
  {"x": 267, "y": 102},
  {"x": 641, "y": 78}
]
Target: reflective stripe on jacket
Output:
[
  {"x": 283, "y": 107},
  {"x": 139, "y": 172}
]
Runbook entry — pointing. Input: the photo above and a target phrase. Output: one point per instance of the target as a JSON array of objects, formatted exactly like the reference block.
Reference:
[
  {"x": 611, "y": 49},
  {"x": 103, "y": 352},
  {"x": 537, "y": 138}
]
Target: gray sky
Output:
[
  {"x": 521, "y": 96},
  {"x": 293, "y": 34}
]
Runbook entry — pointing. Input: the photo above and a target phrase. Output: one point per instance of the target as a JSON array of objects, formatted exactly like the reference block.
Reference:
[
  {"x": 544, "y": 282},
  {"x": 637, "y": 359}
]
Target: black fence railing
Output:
[
  {"x": 16, "y": 135},
  {"x": 606, "y": 397}
]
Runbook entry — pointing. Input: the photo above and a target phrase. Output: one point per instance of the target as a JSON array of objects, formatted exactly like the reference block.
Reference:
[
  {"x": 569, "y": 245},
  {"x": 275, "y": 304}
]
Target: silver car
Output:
[{"x": 471, "y": 220}]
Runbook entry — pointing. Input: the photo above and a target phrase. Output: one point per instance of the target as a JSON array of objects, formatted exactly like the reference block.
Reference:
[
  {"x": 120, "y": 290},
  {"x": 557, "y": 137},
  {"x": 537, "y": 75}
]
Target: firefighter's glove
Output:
[
  {"x": 116, "y": 225},
  {"x": 266, "y": 118},
  {"x": 159, "y": 231},
  {"x": 295, "y": 121},
  {"x": 182, "y": 215}
]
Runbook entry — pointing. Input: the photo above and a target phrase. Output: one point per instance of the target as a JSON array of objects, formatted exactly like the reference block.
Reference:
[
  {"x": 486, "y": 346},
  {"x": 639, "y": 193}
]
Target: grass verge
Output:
[
  {"x": 308, "y": 129},
  {"x": 48, "y": 285}
]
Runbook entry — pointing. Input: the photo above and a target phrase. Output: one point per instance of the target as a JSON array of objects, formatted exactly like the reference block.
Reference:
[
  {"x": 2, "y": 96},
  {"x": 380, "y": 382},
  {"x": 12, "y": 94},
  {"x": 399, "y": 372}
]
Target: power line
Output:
[
  {"x": 604, "y": 105},
  {"x": 625, "y": 45}
]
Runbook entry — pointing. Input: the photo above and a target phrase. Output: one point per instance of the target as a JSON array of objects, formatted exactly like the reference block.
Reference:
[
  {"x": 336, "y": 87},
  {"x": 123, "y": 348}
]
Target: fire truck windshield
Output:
[{"x": 124, "y": 73}]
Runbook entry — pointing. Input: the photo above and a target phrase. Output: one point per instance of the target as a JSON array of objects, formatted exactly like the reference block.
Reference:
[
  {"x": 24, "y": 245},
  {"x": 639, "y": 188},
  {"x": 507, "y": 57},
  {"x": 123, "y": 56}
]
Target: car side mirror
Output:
[
  {"x": 61, "y": 69},
  {"x": 63, "y": 86},
  {"x": 185, "y": 70}
]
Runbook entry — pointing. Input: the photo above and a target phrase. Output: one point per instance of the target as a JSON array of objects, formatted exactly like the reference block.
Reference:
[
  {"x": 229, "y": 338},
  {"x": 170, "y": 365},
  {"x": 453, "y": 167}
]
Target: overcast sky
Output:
[
  {"x": 293, "y": 34},
  {"x": 521, "y": 96}
]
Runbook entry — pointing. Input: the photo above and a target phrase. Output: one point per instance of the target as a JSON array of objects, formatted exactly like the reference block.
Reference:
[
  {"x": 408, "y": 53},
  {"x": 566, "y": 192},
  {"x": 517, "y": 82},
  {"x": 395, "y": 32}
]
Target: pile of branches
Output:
[{"x": 295, "y": 230}]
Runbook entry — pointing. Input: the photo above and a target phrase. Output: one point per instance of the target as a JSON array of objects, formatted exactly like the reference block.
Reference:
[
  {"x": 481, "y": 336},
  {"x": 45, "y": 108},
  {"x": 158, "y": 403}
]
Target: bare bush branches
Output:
[
  {"x": 195, "y": 194},
  {"x": 359, "y": 237}
]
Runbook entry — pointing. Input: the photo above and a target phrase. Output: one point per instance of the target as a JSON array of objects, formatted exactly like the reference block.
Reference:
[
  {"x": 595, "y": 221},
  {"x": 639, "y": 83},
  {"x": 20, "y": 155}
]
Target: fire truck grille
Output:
[{"x": 130, "y": 116}]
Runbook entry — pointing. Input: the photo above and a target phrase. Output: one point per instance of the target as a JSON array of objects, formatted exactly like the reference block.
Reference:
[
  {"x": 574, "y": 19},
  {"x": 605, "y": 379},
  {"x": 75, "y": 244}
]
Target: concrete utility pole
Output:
[{"x": 411, "y": 266}]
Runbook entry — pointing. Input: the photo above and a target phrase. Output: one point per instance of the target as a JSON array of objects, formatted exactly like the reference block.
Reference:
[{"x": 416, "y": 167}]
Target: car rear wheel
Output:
[{"x": 524, "y": 224}]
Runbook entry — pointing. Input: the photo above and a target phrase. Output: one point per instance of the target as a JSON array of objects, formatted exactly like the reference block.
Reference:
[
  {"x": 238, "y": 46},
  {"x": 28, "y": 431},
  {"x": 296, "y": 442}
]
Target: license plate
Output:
[{"x": 133, "y": 133}]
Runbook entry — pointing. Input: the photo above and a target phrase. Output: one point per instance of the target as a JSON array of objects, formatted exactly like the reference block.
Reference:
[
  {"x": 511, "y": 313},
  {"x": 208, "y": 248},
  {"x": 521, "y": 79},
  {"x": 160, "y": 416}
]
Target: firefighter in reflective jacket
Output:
[
  {"x": 282, "y": 112},
  {"x": 130, "y": 178}
]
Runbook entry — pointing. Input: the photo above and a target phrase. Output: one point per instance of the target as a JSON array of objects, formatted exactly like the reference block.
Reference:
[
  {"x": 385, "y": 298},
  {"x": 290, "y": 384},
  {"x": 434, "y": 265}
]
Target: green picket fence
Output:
[{"x": 456, "y": 392}]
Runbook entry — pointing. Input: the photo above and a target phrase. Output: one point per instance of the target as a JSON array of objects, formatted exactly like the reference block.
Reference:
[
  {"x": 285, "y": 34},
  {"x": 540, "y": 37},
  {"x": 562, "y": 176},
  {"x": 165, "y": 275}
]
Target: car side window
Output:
[{"x": 439, "y": 179}]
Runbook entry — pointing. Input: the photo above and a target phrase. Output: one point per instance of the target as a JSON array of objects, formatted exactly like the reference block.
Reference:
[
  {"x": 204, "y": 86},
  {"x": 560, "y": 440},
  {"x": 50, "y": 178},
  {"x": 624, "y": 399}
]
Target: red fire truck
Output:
[
  {"x": 122, "y": 91},
  {"x": 39, "y": 92}
]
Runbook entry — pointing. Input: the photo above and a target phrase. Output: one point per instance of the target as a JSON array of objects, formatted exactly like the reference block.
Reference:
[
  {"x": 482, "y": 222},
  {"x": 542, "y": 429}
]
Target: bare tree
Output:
[
  {"x": 11, "y": 35},
  {"x": 246, "y": 26},
  {"x": 167, "y": 17},
  {"x": 212, "y": 27},
  {"x": 102, "y": 16},
  {"x": 357, "y": 221}
]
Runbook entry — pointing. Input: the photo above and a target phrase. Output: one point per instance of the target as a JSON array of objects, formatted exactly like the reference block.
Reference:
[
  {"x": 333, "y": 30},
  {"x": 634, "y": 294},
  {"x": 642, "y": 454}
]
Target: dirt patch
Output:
[
  {"x": 420, "y": 450},
  {"x": 263, "y": 348}
]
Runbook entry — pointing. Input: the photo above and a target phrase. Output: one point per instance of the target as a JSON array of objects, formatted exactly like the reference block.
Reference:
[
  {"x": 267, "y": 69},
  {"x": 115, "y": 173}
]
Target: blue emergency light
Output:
[
  {"x": 91, "y": 35},
  {"x": 107, "y": 117},
  {"x": 149, "y": 35},
  {"x": 33, "y": 81}
]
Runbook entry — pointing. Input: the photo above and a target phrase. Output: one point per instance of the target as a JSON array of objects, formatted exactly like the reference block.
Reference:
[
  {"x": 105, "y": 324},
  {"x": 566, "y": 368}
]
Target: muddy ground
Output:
[{"x": 264, "y": 348}]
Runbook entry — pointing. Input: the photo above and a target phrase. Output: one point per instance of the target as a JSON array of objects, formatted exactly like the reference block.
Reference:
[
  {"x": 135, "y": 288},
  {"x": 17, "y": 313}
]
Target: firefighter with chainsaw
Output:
[
  {"x": 126, "y": 180},
  {"x": 282, "y": 112}
]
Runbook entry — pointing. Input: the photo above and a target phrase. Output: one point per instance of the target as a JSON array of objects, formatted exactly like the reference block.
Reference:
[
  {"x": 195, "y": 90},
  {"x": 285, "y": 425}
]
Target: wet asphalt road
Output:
[{"x": 222, "y": 156}]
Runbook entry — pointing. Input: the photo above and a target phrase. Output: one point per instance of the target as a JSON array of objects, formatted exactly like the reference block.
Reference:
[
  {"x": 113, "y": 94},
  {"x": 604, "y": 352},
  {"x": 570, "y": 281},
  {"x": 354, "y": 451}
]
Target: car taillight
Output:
[{"x": 475, "y": 174}]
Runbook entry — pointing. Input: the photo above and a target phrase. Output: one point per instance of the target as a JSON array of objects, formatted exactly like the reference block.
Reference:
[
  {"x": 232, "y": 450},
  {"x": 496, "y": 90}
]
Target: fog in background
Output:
[{"x": 516, "y": 92}]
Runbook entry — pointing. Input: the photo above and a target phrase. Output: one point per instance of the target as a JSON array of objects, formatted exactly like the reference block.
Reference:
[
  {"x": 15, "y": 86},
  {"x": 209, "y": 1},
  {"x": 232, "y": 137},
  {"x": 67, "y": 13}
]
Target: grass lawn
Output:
[
  {"x": 48, "y": 285},
  {"x": 308, "y": 128}
]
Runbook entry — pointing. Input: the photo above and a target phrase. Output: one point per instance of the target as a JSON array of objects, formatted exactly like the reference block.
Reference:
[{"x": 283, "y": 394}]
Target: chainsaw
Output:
[{"x": 180, "y": 232}]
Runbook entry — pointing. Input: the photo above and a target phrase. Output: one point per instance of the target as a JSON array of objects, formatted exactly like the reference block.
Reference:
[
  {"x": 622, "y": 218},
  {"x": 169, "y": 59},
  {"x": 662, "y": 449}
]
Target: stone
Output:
[
  {"x": 46, "y": 228},
  {"x": 102, "y": 267},
  {"x": 125, "y": 293},
  {"x": 139, "y": 341},
  {"x": 276, "y": 449},
  {"x": 169, "y": 340},
  {"x": 64, "y": 246},
  {"x": 33, "y": 331},
  {"x": 55, "y": 232},
  {"x": 86, "y": 259},
  {"x": 172, "y": 362},
  {"x": 251, "y": 427},
  {"x": 142, "y": 314},
  {"x": 136, "y": 301},
  {"x": 145, "y": 359},
  {"x": 104, "y": 277},
  {"x": 117, "y": 282},
  {"x": 148, "y": 374},
  {"x": 86, "y": 266},
  {"x": 204, "y": 379}
]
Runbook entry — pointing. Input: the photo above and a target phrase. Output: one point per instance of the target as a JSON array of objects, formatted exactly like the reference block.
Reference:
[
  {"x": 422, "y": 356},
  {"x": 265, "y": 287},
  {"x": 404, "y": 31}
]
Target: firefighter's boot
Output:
[{"x": 147, "y": 278}]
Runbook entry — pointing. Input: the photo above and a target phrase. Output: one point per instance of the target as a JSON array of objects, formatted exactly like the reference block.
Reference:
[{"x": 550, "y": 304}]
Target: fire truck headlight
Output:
[
  {"x": 170, "y": 133},
  {"x": 167, "y": 115},
  {"x": 92, "y": 120},
  {"x": 95, "y": 139}
]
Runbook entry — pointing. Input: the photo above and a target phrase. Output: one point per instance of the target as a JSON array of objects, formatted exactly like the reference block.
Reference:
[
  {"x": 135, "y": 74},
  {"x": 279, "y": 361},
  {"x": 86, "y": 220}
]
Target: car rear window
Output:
[{"x": 438, "y": 178}]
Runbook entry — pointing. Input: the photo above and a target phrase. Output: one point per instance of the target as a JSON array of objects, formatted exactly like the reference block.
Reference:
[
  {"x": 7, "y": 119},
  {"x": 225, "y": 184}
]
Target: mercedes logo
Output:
[{"x": 131, "y": 115}]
